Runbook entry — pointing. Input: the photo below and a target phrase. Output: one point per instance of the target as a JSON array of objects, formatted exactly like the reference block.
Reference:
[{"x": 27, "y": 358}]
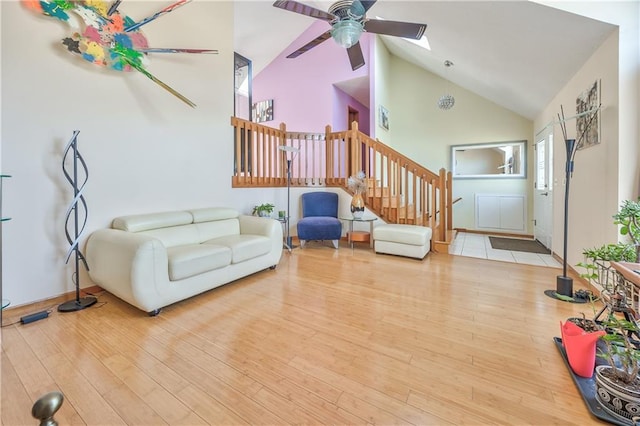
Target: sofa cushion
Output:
[
  {"x": 144, "y": 222},
  {"x": 213, "y": 213},
  {"x": 243, "y": 246},
  {"x": 404, "y": 234},
  {"x": 192, "y": 259},
  {"x": 216, "y": 228},
  {"x": 175, "y": 235},
  {"x": 319, "y": 228}
]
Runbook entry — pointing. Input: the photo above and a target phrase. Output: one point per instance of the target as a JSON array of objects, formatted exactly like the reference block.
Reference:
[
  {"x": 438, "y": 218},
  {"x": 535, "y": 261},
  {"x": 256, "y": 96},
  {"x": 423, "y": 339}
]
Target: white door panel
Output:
[{"x": 542, "y": 193}]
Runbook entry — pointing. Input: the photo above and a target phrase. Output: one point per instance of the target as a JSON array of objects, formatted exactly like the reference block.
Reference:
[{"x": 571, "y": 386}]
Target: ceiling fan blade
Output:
[
  {"x": 313, "y": 43},
  {"x": 355, "y": 56},
  {"x": 395, "y": 28},
  {"x": 303, "y": 9},
  {"x": 357, "y": 8},
  {"x": 367, "y": 4}
]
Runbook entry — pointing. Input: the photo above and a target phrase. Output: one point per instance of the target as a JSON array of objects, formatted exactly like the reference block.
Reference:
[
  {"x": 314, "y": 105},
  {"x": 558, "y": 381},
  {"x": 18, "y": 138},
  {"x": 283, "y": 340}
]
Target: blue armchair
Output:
[{"x": 319, "y": 218}]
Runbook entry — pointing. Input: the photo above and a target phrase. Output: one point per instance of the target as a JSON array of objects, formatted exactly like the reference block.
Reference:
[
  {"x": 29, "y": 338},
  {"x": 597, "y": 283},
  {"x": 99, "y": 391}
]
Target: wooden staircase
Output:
[{"x": 399, "y": 189}]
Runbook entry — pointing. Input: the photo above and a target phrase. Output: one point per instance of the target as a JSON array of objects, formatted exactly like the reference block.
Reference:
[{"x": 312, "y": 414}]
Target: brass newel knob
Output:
[{"x": 46, "y": 407}]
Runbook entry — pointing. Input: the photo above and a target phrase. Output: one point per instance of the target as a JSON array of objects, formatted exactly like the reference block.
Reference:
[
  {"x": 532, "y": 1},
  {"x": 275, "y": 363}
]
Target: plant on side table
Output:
[
  {"x": 263, "y": 210},
  {"x": 617, "y": 383},
  {"x": 628, "y": 217},
  {"x": 597, "y": 262}
]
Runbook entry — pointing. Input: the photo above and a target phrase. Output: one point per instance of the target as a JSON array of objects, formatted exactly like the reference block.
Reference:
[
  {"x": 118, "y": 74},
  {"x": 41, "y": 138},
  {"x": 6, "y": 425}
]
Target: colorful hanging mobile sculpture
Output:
[{"x": 109, "y": 38}]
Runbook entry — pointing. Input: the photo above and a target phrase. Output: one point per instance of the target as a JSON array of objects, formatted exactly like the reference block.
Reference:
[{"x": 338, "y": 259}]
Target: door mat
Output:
[{"x": 517, "y": 244}]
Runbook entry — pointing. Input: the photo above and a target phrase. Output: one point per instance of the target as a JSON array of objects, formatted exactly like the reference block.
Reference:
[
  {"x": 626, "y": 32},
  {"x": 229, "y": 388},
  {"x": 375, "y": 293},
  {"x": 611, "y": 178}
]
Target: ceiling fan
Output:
[{"x": 348, "y": 21}]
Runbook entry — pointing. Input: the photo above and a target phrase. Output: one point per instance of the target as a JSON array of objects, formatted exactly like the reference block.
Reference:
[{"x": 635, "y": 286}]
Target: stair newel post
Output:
[
  {"x": 355, "y": 136},
  {"x": 443, "y": 200},
  {"x": 355, "y": 156},
  {"x": 328, "y": 141},
  {"x": 333, "y": 171},
  {"x": 283, "y": 164},
  {"x": 449, "y": 201}
]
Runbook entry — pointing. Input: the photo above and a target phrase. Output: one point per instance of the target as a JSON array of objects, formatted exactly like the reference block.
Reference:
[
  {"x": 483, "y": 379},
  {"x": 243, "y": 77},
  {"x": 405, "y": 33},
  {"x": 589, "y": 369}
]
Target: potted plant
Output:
[
  {"x": 263, "y": 210},
  {"x": 628, "y": 217},
  {"x": 597, "y": 259},
  {"x": 617, "y": 382}
]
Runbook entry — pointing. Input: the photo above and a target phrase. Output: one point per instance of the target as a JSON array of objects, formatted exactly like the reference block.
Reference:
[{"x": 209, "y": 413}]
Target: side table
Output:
[
  {"x": 630, "y": 271},
  {"x": 285, "y": 223},
  {"x": 360, "y": 236}
]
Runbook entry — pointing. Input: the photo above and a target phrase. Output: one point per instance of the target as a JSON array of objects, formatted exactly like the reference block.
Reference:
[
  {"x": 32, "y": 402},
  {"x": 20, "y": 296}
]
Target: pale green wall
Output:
[
  {"x": 381, "y": 94},
  {"x": 425, "y": 133}
]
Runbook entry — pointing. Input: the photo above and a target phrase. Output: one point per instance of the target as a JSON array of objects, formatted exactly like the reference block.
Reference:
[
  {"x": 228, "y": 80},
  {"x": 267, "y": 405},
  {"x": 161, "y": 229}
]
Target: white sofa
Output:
[{"x": 154, "y": 260}]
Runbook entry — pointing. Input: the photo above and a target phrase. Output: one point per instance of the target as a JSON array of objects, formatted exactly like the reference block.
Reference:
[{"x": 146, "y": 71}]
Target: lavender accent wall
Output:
[
  {"x": 341, "y": 103},
  {"x": 302, "y": 89}
]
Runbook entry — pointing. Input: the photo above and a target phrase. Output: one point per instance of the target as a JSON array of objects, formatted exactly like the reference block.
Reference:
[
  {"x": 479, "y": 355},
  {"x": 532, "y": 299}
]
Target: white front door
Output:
[{"x": 543, "y": 185}]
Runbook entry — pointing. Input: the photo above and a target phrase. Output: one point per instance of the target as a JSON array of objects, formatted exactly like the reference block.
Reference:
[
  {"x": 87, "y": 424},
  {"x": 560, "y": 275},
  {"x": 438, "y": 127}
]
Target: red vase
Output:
[{"x": 580, "y": 347}]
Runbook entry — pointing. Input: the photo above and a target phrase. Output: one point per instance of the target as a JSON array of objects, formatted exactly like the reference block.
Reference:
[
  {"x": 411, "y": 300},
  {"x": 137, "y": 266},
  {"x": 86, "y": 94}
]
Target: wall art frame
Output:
[
  {"x": 384, "y": 117},
  {"x": 588, "y": 116},
  {"x": 263, "y": 111}
]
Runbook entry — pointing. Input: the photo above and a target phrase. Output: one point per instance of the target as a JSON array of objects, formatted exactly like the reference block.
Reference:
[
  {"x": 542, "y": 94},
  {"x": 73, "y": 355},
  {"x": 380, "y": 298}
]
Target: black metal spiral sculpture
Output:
[{"x": 72, "y": 220}]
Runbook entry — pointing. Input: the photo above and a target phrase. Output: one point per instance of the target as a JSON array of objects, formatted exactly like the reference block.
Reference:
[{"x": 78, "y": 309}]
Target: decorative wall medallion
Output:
[{"x": 108, "y": 38}]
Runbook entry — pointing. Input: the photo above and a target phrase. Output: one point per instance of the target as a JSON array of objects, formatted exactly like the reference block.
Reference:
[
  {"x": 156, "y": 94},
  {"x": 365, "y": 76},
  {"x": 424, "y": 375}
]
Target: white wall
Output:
[
  {"x": 425, "y": 133},
  {"x": 607, "y": 173},
  {"x": 145, "y": 149}
]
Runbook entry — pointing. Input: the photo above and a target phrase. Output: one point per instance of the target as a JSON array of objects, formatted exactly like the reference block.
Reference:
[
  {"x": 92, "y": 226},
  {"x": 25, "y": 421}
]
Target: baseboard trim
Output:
[
  {"x": 46, "y": 304},
  {"x": 496, "y": 233}
]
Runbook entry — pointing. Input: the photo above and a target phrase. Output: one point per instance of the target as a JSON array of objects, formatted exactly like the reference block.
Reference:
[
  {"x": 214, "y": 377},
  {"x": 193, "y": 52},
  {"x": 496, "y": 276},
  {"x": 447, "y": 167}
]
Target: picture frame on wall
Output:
[
  {"x": 384, "y": 118},
  {"x": 588, "y": 116},
  {"x": 263, "y": 111}
]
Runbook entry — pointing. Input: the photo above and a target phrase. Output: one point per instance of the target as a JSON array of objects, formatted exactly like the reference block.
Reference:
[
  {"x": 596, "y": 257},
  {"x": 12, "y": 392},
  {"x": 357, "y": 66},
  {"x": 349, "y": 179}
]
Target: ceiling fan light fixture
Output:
[{"x": 347, "y": 32}]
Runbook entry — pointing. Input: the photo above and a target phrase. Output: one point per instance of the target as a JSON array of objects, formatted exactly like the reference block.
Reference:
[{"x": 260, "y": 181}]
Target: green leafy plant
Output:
[
  {"x": 620, "y": 348},
  {"x": 596, "y": 257},
  {"x": 628, "y": 217},
  {"x": 264, "y": 209}
]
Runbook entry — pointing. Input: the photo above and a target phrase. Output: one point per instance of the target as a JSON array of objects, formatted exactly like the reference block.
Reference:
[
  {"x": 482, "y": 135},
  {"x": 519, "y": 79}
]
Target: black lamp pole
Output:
[
  {"x": 564, "y": 284},
  {"x": 289, "y": 246},
  {"x": 289, "y": 153}
]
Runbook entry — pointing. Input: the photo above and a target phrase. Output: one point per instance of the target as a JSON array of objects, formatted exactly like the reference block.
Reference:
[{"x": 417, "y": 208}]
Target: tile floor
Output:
[{"x": 477, "y": 245}]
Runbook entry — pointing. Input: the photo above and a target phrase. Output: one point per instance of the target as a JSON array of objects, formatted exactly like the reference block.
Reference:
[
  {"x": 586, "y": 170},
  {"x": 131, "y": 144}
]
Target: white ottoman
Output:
[{"x": 402, "y": 240}]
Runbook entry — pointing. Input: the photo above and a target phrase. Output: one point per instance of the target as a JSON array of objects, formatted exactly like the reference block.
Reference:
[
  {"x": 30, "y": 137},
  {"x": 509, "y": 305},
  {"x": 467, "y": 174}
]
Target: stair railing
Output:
[{"x": 400, "y": 190}]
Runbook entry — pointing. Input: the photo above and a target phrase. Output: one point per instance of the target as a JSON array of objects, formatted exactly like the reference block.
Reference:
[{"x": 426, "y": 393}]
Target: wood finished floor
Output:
[{"x": 329, "y": 337}]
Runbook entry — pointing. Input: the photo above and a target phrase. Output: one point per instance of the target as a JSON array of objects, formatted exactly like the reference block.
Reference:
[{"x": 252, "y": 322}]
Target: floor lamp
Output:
[
  {"x": 564, "y": 284},
  {"x": 290, "y": 152},
  {"x": 78, "y": 203}
]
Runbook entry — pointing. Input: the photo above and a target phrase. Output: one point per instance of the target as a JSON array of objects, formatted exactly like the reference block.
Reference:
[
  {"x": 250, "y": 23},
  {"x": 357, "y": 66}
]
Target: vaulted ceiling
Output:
[{"x": 518, "y": 54}]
